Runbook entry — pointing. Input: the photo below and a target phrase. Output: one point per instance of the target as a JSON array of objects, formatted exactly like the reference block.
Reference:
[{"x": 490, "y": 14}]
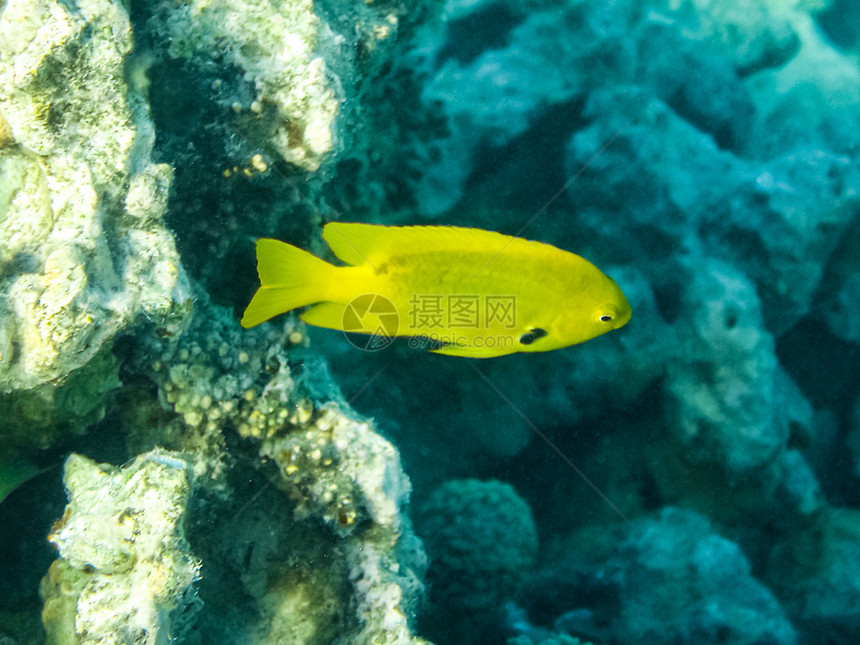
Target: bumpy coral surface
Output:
[
  {"x": 126, "y": 567},
  {"x": 274, "y": 45},
  {"x": 84, "y": 249},
  {"x": 481, "y": 539}
]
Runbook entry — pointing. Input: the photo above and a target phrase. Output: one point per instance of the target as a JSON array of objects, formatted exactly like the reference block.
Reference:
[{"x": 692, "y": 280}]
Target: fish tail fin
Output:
[{"x": 289, "y": 278}]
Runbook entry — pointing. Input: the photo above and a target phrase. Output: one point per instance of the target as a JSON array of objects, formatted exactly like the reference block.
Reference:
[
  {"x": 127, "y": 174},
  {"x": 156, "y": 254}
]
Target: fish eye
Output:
[
  {"x": 532, "y": 335},
  {"x": 607, "y": 313}
]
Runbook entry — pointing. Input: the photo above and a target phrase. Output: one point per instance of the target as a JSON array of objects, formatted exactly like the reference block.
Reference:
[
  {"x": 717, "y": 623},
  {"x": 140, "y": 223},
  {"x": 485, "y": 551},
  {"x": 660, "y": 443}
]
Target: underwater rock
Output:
[
  {"x": 669, "y": 578},
  {"x": 810, "y": 102},
  {"x": 816, "y": 571},
  {"x": 731, "y": 411},
  {"x": 694, "y": 55},
  {"x": 671, "y": 64},
  {"x": 549, "y": 58},
  {"x": 777, "y": 212},
  {"x": 779, "y": 220},
  {"x": 752, "y": 34},
  {"x": 783, "y": 230},
  {"x": 720, "y": 396},
  {"x": 798, "y": 491},
  {"x": 528, "y": 634},
  {"x": 840, "y": 313},
  {"x": 84, "y": 250},
  {"x": 681, "y": 581},
  {"x": 125, "y": 566}
]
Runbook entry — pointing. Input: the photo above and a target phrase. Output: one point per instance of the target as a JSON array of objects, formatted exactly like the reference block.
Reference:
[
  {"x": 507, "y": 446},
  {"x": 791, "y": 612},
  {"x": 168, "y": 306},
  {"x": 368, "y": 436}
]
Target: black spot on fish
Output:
[{"x": 532, "y": 335}]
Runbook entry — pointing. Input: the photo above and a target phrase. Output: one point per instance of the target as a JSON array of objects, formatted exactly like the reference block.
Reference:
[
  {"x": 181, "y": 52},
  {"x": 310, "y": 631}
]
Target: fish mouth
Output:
[{"x": 625, "y": 312}]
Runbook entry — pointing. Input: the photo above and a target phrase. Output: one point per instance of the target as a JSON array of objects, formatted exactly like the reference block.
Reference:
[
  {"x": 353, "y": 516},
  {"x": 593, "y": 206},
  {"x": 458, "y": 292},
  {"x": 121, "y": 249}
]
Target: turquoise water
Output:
[{"x": 169, "y": 476}]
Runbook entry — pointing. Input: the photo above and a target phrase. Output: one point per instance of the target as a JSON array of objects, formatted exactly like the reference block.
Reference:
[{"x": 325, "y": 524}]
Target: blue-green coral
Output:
[{"x": 481, "y": 539}]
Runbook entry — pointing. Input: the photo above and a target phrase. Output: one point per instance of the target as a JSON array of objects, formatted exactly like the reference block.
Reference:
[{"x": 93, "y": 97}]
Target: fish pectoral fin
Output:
[
  {"x": 367, "y": 314},
  {"x": 325, "y": 314},
  {"x": 269, "y": 302}
]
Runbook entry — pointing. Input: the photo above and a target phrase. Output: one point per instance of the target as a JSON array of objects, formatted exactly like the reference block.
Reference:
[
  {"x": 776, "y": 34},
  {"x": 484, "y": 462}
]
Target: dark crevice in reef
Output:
[
  {"x": 493, "y": 23},
  {"x": 827, "y": 370},
  {"x": 515, "y": 178}
]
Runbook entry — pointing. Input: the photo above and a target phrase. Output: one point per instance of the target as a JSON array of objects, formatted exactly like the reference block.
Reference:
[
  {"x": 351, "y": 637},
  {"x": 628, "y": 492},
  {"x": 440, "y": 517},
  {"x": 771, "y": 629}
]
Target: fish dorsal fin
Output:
[{"x": 358, "y": 244}]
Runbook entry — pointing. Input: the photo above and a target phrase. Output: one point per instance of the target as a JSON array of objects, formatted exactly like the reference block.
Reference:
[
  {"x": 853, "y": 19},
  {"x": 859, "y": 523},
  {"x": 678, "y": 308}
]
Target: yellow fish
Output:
[{"x": 471, "y": 292}]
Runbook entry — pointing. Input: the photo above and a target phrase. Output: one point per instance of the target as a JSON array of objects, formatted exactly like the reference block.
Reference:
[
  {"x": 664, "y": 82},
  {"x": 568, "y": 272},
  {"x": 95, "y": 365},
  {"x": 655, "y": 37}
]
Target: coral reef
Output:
[
  {"x": 89, "y": 256},
  {"x": 491, "y": 97},
  {"x": 815, "y": 573},
  {"x": 346, "y": 487},
  {"x": 736, "y": 408},
  {"x": 662, "y": 564},
  {"x": 126, "y": 573},
  {"x": 279, "y": 61},
  {"x": 663, "y": 579},
  {"x": 693, "y": 478},
  {"x": 692, "y": 146},
  {"x": 84, "y": 249},
  {"x": 247, "y": 99}
]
